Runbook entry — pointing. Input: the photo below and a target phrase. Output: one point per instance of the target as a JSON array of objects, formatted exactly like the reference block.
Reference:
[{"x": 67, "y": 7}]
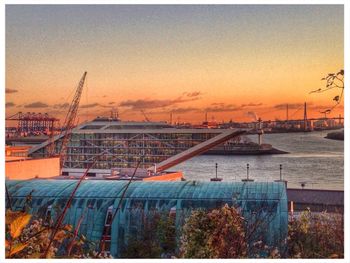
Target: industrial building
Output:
[{"x": 19, "y": 166}]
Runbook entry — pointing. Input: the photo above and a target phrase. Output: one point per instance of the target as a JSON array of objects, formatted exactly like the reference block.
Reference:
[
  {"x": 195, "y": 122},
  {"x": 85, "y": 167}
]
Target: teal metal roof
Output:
[
  {"x": 257, "y": 201},
  {"x": 151, "y": 189}
]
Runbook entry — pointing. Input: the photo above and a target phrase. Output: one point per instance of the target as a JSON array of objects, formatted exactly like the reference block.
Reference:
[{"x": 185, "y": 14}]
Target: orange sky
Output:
[{"x": 228, "y": 61}]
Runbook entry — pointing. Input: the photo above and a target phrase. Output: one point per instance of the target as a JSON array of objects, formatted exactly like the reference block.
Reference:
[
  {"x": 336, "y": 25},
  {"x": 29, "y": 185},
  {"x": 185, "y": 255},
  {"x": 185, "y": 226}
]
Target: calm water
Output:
[{"x": 313, "y": 159}]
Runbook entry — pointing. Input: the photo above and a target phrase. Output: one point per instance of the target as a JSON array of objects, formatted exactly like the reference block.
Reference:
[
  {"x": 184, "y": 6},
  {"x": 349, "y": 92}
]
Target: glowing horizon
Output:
[{"x": 230, "y": 61}]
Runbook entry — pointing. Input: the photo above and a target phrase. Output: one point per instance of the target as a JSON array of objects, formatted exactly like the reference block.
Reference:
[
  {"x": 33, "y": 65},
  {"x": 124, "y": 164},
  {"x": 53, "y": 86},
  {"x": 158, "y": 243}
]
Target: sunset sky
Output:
[{"x": 231, "y": 61}]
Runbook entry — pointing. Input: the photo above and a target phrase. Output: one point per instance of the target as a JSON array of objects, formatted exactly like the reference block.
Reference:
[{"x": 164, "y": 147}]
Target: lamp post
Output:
[
  {"x": 247, "y": 179},
  {"x": 216, "y": 179}
]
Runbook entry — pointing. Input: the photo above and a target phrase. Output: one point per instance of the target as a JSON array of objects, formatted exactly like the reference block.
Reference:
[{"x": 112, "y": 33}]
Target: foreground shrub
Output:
[
  {"x": 316, "y": 235},
  {"x": 215, "y": 234},
  {"x": 156, "y": 237},
  {"x": 28, "y": 238}
]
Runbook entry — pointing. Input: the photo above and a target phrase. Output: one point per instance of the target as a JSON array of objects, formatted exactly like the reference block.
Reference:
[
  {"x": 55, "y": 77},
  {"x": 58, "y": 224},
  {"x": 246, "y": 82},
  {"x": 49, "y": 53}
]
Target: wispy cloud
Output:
[
  {"x": 7, "y": 91},
  {"x": 56, "y": 112},
  {"x": 152, "y": 104},
  {"x": 184, "y": 110},
  {"x": 291, "y": 106},
  {"x": 61, "y": 106},
  {"x": 192, "y": 94},
  {"x": 36, "y": 104},
  {"x": 10, "y": 104},
  {"x": 222, "y": 107},
  {"x": 252, "y": 105},
  {"x": 91, "y": 105}
]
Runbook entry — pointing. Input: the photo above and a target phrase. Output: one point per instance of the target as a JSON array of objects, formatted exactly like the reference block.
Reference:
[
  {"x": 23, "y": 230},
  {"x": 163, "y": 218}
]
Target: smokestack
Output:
[{"x": 260, "y": 131}]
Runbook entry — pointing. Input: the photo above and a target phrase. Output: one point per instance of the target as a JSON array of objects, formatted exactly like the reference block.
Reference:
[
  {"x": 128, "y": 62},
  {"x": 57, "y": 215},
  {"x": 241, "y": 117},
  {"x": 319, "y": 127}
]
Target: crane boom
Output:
[
  {"x": 69, "y": 121},
  {"x": 144, "y": 114}
]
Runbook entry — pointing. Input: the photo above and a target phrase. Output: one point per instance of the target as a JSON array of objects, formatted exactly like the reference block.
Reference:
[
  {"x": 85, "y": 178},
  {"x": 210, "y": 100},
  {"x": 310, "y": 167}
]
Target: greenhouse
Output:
[{"x": 262, "y": 202}]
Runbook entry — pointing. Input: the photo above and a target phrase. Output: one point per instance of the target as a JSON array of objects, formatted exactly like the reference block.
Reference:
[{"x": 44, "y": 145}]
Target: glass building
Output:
[{"x": 122, "y": 144}]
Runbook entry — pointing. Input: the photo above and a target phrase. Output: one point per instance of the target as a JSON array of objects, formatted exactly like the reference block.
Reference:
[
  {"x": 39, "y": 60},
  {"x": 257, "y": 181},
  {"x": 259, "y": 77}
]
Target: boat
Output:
[
  {"x": 243, "y": 148},
  {"x": 241, "y": 145}
]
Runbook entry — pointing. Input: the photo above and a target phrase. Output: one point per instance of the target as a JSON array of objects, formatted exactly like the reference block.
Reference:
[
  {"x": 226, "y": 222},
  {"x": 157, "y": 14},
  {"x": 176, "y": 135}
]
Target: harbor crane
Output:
[
  {"x": 32, "y": 123},
  {"x": 69, "y": 121},
  {"x": 144, "y": 114}
]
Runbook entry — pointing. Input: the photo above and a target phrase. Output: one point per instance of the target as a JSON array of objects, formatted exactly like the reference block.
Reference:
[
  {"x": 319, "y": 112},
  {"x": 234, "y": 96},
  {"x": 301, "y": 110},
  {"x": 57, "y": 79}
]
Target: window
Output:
[
  {"x": 107, "y": 231},
  {"x": 48, "y": 215}
]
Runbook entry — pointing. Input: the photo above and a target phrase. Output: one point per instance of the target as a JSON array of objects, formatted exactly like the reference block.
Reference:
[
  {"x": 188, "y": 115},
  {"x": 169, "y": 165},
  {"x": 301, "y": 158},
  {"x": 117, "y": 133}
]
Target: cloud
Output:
[
  {"x": 152, "y": 104},
  {"x": 291, "y": 106},
  {"x": 146, "y": 104},
  {"x": 10, "y": 104},
  {"x": 222, "y": 107},
  {"x": 91, "y": 105},
  {"x": 56, "y": 112},
  {"x": 37, "y": 104},
  {"x": 221, "y": 104},
  {"x": 8, "y": 91},
  {"x": 184, "y": 110},
  {"x": 106, "y": 106},
  {"x": 61, "y": 105},
  {"x": 218, "y": 104},
  {"x": 192, "y": 94},
  {"x": 252, "y": 105}
]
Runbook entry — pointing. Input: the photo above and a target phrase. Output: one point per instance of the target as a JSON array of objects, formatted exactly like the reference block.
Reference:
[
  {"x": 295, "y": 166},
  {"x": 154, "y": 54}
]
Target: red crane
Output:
[
  {"x": 69, "y": 121},
  {"x": 31, "y": 123}
]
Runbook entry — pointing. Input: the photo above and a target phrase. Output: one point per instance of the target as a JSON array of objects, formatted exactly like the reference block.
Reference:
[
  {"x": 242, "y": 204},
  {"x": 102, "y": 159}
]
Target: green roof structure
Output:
[{"x": 263, "y": 202}]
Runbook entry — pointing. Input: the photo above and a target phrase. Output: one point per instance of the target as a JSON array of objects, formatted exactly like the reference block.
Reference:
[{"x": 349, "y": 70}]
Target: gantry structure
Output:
[{"x": 32, "y": 123}]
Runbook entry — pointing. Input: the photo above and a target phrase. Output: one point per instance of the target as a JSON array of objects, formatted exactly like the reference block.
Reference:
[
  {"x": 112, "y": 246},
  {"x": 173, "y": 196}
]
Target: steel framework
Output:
[
  {"x": 32, "y": 123},
  {"x": 69, "y": 121}
]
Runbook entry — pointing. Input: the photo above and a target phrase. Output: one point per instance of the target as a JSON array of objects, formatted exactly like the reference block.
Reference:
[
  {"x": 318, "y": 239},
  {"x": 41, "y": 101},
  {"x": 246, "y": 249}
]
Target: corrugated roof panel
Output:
[{"x": 257, "y": 200}]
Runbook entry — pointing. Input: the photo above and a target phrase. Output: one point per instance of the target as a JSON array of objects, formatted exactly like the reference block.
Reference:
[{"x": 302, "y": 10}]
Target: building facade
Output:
[{"x": 119, "y": 144}]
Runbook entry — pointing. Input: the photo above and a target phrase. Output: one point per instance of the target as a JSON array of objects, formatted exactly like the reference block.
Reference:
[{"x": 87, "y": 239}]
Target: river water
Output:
[{"x": 312, "y": 159}]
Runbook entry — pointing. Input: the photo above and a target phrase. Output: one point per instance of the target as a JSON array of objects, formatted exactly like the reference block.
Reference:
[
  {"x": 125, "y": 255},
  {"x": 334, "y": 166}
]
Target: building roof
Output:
[
  {"x": 115, "y": 126},
  {"x": 261, "y": 203},
  {"x": 150, "y": 190},
  {"x": 316, "y": 197}
]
